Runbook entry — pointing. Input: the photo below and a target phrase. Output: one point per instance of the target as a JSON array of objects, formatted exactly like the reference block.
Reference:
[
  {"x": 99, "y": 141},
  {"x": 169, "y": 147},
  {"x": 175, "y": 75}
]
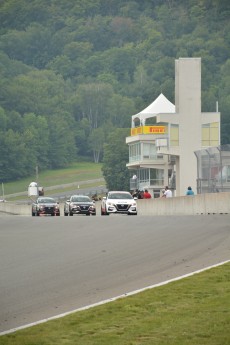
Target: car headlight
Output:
[
  {"x": 110, "y": 204},
  {"x": 57, "y": 207}
]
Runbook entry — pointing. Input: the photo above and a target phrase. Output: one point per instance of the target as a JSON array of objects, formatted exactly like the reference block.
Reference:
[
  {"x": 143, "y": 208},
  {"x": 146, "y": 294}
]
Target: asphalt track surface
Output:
[{"x": 52, "y": 265}]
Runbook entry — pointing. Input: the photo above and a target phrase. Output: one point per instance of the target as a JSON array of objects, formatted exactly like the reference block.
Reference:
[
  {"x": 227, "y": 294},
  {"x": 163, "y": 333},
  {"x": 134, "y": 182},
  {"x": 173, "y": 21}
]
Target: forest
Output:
[{"x": 74, "y": 72}]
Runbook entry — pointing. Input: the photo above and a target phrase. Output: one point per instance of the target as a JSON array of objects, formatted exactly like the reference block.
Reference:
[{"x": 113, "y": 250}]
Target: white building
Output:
[{"x": 164, "y": 137}]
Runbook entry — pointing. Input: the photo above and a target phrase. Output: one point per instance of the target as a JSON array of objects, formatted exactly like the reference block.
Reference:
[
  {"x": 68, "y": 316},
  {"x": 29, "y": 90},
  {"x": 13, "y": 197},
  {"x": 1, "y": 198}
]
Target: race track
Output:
[{"x": 51, "y": 265}]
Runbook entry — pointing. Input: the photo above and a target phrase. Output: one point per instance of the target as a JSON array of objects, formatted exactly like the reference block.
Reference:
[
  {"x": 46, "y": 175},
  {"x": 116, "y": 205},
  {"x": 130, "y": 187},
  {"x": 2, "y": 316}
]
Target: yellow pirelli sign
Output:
[{"x": 148, "y": 130}]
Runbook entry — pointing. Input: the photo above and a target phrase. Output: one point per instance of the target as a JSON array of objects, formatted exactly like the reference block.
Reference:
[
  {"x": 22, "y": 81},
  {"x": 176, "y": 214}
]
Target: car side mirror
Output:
[
  {"x": 135, "y": 198},
  {"x": 104, "y": 197}
]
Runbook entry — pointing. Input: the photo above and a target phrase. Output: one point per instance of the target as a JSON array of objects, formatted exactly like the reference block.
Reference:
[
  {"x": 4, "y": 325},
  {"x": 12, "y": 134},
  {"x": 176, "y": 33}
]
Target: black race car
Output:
[
  {"x": 45, "y": 206},
  {"x": 79, "y": 204}
]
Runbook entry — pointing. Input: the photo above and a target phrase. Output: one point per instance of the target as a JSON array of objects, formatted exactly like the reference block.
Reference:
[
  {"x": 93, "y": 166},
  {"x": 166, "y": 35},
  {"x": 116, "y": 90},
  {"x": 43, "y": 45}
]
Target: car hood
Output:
[
  {"x": 82, "y": 203},
  {"x": 121, "y": 201}
]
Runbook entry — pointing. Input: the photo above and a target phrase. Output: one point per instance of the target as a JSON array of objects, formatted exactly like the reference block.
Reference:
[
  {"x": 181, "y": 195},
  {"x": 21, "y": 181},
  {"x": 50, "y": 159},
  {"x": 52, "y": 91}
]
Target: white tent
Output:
[{"x": 159, "y": 106}]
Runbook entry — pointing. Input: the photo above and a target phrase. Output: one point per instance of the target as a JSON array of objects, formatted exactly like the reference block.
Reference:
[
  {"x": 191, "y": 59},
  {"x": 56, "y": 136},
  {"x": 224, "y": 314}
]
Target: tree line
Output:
[{"x": 73, "y": 72}]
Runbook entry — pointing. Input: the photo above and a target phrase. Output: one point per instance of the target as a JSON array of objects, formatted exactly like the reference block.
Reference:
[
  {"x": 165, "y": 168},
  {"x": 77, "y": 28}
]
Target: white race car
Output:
[{"x": 118, "y": 202}]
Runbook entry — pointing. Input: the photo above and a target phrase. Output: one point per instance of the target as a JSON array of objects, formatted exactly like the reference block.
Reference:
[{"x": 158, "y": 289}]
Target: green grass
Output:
[
  {"x": 75, "y": 172},
  {"x": 66, "y": 189},
  {"x": 194, "y": 311}
]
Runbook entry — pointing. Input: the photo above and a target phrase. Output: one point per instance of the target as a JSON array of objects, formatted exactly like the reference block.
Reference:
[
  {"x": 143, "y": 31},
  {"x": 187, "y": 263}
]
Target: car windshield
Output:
[
  {"x": 119, "y": 196},
  {"x": 80, "y": 199},
  {"x": 46, "y": 201}
]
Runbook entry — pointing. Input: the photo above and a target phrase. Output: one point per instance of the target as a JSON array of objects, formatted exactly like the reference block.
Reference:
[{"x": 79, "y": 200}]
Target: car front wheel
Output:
[{"x": 104, "y": 213}]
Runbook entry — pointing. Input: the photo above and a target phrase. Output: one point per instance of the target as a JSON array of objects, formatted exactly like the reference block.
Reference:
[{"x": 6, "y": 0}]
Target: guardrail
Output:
[{"x": 210, "y": 203}]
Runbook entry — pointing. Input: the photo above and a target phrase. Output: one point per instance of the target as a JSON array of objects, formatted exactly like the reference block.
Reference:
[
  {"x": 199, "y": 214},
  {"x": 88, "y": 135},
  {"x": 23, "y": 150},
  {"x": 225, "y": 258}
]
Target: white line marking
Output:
[{"x": 112, "y": 299}]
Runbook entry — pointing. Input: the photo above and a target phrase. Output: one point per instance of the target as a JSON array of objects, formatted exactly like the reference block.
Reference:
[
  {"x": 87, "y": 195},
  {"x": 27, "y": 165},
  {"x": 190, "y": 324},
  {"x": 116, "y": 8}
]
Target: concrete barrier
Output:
[
  {"x": 20, "y": 209},
  {"x": 210, "y": 203},
  {"x": 16, "y": 209}
]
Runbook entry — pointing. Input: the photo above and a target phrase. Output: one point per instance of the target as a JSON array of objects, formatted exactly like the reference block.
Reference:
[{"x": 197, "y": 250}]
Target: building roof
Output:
[{"x": 160, "y": 105}]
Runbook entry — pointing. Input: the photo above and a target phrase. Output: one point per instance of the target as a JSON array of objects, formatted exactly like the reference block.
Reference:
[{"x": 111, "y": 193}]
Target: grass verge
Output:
[
  {"x": 68, "y": 190},
  {"x": 75, "y": 172},
  {"x": 194, "y": 311}
]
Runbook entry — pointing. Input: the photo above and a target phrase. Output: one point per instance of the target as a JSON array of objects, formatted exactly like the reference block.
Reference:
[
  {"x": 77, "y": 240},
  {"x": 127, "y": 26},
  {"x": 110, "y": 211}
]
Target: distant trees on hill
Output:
[{"x": 73, "y": 72}]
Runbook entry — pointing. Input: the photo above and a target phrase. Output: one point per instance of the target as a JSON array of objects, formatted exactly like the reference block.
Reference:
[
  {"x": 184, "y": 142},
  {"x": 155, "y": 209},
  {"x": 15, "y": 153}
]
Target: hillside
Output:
[{"x": 74, "y": 71}]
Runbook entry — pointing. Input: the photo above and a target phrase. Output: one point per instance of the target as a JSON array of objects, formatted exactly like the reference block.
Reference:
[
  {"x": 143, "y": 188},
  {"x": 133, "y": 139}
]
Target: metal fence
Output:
[{"x": 213, "y": 169}]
